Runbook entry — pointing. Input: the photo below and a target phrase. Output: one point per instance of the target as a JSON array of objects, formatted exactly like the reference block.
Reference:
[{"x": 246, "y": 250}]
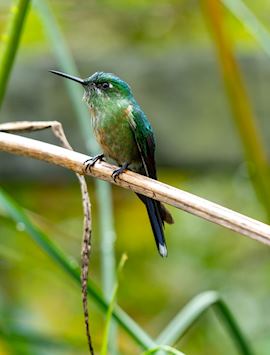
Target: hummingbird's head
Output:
[{"x": 101, "y": 87}]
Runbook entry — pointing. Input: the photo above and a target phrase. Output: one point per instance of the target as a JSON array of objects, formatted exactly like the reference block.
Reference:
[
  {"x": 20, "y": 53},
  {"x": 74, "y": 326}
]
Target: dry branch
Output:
[{"x": 178, "y": 198}]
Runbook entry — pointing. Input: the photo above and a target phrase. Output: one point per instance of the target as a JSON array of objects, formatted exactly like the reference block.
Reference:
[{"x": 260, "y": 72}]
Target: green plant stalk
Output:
[
  {"x": 228, "y": 319},
  {"x": 106, "y": 226},
  {"x": 249, "y": 20},
  {"x": 253, "y": 147},
  {"x": 104, "y": 347},
  {"x": 193, "y": 311},
  {"x": 72, "y": 269},
  {"x": 12, "y": 39},
  {"x": 103, "y": 189}
]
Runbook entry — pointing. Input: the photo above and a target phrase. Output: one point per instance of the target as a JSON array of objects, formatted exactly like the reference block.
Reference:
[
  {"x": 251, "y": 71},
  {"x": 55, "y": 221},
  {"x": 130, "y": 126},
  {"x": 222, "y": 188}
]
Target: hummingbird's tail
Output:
[{"x": 157, "y": 214}]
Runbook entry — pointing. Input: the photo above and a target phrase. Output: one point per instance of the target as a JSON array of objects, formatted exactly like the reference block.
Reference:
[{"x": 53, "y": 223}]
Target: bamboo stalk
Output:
[{"x": 129, "y": 180}]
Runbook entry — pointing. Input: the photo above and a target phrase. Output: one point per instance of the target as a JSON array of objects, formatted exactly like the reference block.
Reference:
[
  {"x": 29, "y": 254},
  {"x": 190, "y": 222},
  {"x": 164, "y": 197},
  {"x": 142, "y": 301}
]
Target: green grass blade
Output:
[
  {"x": 164, "y": 348},
  {"x": 187, "y": 317},
  {"x": 103, "y": 189},
  {"x": 105, "y": 342},
  {"x": 13, "y": 334},
  {"x": 73, "y": 270},
  {"x": 67, "y": 64},
  {"x": 233, "y": 327},
  {"x": 243, "y": 113},
  {"x": 249, "y": 20},
  {"x": 12, "y": 39},
  {"x": 193, "y": 311}
]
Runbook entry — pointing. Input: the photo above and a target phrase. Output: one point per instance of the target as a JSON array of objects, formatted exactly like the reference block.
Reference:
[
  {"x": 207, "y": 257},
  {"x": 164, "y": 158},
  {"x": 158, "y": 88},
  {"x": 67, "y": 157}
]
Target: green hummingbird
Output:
[{"x": 125, "y": 135}]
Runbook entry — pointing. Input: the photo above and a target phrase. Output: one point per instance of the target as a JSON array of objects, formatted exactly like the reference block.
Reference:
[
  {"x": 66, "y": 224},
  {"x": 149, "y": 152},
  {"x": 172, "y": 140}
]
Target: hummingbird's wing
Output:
[{"x": 145, "y": 140}]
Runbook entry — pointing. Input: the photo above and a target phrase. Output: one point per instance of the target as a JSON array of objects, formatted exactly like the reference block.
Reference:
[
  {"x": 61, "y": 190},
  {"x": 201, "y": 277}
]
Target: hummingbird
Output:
[{"x": 125, "y": 136}]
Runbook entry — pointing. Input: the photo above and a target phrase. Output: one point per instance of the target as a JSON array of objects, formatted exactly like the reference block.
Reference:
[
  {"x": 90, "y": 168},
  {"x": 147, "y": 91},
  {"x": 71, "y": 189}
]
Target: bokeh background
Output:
[{"x": 165, "y": 51}]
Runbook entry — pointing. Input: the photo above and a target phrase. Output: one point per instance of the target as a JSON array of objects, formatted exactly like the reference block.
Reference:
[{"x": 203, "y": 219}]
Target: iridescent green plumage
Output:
[{"x": 125, "y": 135}]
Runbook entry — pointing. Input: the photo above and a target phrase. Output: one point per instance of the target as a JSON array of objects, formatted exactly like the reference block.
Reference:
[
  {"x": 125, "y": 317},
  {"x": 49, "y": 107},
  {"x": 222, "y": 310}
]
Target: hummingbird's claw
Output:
[
  {"x": 119, "y": 171},
  {"x": 92, "y": 161}
]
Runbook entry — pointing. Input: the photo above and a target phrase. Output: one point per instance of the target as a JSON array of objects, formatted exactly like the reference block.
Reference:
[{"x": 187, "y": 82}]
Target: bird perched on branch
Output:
[{"x": 124, "y": 135}]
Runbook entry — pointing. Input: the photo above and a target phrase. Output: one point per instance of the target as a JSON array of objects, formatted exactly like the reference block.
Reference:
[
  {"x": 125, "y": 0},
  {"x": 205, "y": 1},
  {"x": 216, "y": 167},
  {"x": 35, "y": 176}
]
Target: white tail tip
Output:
[{"x": 162, "y": 250}]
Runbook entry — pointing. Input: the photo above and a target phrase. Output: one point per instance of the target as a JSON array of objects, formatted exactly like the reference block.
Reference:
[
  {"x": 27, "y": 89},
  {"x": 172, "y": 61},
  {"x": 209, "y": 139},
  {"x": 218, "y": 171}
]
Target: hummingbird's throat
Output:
[
  {"x": 93, "y": 96},
  {"x": 87, "y": 96}
]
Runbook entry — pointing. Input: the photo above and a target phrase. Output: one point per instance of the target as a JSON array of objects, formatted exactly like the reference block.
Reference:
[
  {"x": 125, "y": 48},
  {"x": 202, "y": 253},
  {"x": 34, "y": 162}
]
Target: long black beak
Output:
[{"x": 71, "y": 77}]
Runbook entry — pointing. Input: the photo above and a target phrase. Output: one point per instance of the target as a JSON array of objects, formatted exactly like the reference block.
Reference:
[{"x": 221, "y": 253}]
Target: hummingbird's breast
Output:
[{"x": 113, "y": 132}]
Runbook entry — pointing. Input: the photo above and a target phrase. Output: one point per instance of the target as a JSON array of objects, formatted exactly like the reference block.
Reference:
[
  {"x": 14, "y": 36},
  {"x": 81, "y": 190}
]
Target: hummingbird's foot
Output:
[
  {"x": 119, "y": 171},
  {"x": 92, "y": 161}
]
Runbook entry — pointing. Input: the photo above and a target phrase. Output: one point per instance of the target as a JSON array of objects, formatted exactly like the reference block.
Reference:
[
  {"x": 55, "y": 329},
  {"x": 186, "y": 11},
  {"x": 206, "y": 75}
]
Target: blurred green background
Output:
[{"x": 164, "y": 50}]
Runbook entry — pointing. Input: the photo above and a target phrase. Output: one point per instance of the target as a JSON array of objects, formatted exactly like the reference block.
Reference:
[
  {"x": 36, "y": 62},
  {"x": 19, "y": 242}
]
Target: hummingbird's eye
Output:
[{"x": 105, "y": 85}]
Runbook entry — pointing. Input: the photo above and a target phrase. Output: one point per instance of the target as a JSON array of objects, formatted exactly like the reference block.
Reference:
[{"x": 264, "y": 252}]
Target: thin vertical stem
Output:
[
  {"x": 12, "y": 39},
  {"x": 106, "y": 227},
  {"x": 103, "y": 189}
]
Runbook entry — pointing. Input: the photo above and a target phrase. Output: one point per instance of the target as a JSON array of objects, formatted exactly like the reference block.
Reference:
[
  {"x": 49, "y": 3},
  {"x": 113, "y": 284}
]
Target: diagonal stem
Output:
[{"x": 138, "y": 183}]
